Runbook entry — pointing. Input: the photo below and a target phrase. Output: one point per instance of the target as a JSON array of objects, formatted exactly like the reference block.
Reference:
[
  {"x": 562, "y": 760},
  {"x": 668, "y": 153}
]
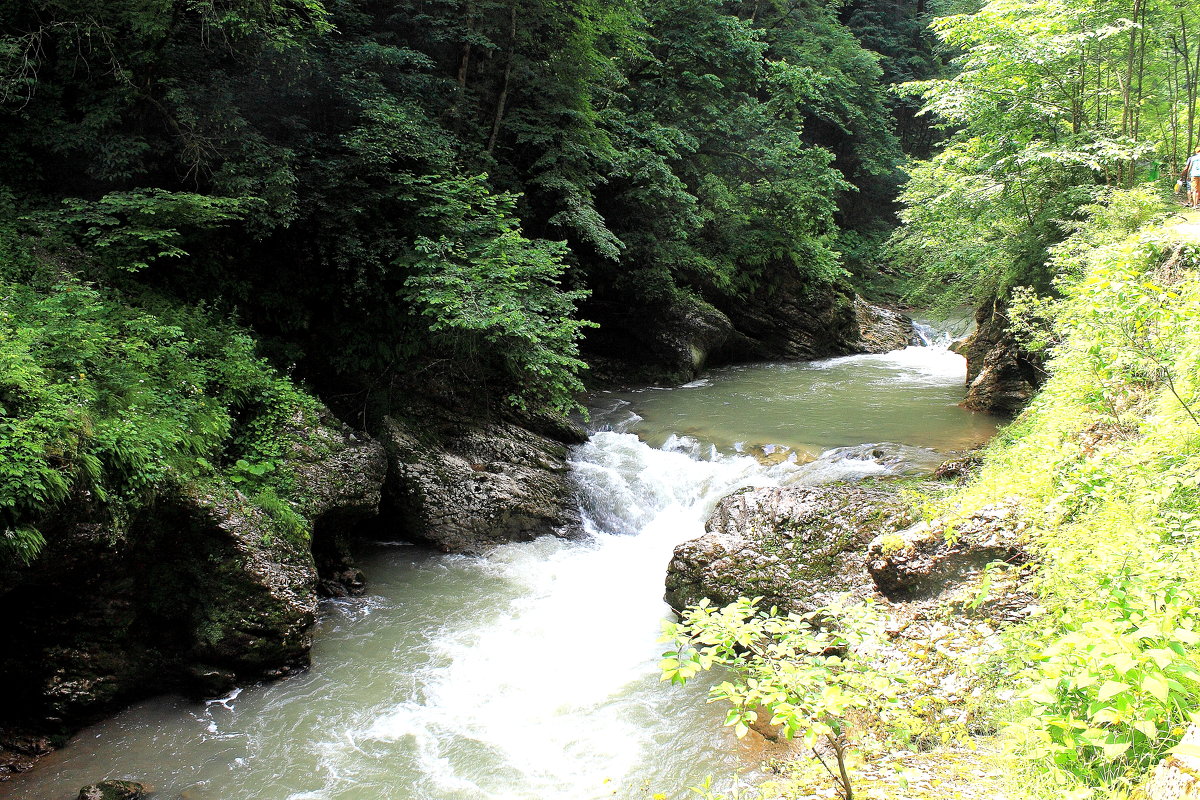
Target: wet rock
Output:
[
  {"x": 1177, "y": 777},
  {"x": 338, "y": 472},
  {"x": 463, "y": 485},
  {"x": 113, "y": 790},
  {"x": 20, "y": 751},
  {"x": 794, "y": 547},
  {"x": 201, "y": 588},
  {"x": 1001, "y": 376},
  {"x": 958, "y": 469},
  {"x": 669, "y": 343},
  {"x": 348, "y": 581},
  {"x": 923, "y": 559},
  {"x": 792, "y": 320},
  {"x": 882, "y": 330}
]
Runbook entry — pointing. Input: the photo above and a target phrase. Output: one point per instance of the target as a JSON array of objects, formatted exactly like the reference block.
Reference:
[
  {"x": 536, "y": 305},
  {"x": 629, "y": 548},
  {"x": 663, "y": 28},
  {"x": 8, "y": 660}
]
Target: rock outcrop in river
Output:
[
  {"x": 798, "y": 547},
  {"x": 461, "y": 484},
  {"x": 202, "y": 587},
  {"x": 794, "y": 547},
  {"x": 1001, "y": 376}
]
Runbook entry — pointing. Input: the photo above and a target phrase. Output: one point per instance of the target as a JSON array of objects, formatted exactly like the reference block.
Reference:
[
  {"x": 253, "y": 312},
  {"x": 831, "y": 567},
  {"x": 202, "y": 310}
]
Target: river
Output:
[{"x": 530, "y": 673}]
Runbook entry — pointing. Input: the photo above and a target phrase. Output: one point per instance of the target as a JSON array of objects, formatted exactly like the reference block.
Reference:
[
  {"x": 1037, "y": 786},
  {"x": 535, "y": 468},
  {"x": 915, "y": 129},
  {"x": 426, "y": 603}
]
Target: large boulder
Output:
[
  {"x": 197, "y": 589},
  {"x": 338, "y": 472},
  {"x": 794, "y": 547},
  {"x": 1001, "y": 376},
  {"x": 464, "y": 485},
  {"x": 202, "y": 588},
  {"x": 113, "y": 790},
  {"x": 882, "y": 330},
  {"x": 338, "y": 475},
  {"x": 922, "y": 560}
]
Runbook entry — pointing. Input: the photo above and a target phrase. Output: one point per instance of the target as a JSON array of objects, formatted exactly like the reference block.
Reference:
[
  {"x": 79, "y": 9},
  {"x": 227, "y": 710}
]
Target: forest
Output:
[
  {"x": 237, "y": 238},
  {"x": 397, "y": 198}
]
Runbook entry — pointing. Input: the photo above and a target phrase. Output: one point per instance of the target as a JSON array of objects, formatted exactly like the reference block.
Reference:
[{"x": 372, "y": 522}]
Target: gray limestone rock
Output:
[
  {"x": 794, "y": 547},
  {"x": 463, "y": 485},
  {"x": 921, "y": 560},
  {"x": 1001, "y": 377}
]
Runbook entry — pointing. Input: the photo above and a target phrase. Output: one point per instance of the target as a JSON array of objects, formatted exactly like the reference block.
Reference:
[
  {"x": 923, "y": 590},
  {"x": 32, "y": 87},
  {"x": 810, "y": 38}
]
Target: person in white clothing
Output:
[{"x": 1191, "y": 174}]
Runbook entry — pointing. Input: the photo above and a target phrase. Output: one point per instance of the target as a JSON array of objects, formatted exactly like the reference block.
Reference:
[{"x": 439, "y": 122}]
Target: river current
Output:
[{"x": 531, "y": 673}]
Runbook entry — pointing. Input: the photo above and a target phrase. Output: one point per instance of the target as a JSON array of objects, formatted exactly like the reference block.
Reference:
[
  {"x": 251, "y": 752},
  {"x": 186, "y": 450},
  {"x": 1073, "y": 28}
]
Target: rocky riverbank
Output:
[
  {"x": 211, "y": 585},
  {"x": 675, "y": 343},
  {"x": 801, "y": 549},
  {"x": 206, "y": 587}
]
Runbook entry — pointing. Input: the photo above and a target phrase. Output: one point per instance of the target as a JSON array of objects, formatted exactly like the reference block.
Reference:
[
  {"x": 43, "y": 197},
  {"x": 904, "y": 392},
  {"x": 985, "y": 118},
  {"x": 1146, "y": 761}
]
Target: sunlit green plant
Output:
[
  {"x": 808, "y": 672},
  {"x": 1111, "y": 693}
]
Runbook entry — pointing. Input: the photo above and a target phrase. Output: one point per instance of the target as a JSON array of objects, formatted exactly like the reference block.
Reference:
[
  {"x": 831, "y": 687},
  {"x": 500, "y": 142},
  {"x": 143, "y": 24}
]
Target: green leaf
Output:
[
  {"x": 1115, "y": 749},
  {"x": 1110, "y": 689},
  {"x": 1156, "y": 686},
  {"x": 1186, "y": 750},
  {"x": 1147, "y": 728}
]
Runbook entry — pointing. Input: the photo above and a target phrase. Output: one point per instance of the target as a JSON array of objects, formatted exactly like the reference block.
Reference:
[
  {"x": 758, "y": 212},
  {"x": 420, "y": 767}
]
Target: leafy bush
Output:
[
  {"x": 1107, "y": 674},
  {"x": 103, "y": 401},
  {"x": 494, "y": 299},
  {"x": 808, "y": 672},
  {"x": 1115, "y": 686}
]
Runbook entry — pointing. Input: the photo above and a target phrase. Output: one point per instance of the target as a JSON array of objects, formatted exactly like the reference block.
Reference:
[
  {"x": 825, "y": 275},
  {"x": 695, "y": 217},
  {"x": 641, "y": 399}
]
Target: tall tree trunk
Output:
[{"x": 502, "y": 99}]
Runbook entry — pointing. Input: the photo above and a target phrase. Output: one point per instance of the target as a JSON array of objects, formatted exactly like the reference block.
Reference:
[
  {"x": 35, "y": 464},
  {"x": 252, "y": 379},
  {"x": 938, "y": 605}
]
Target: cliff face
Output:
[
  {"x": 786, "y": 323},
  {"x": 200, "y": 588}
]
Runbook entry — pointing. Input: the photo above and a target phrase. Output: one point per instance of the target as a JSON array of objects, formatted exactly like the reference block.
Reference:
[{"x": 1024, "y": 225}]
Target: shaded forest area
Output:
[
  {"x": 209, "y": 204},
  {"x": 387, "y": 190}
]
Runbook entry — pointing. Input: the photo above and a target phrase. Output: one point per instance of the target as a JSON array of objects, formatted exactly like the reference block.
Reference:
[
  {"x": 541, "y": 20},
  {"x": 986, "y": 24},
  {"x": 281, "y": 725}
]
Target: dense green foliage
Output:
[
  {"x": 1107, "y": 674},
  {"x": 1049, "y": 102},
  {"x": 103, "y": 405},
  {"x": 338, "y": 170},
  {"x": 395, "y": 197}
]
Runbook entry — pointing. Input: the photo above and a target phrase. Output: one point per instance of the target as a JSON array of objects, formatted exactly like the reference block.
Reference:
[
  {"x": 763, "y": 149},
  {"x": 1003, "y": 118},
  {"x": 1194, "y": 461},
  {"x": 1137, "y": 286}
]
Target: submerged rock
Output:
[
  {"x": 794, "y": 547},
  {"x": 1001, "y": 377},
  {"x": 863, "y": 460},
  {"x": 463, "y": 485},
  {"x": 113, "y": 790},
  {"x": 923, "y": 559}
]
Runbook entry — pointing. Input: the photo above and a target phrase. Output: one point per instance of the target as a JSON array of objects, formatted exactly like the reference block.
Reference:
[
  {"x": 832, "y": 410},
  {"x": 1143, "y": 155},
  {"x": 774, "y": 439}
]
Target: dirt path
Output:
[{"x": 1185, "y": 224}]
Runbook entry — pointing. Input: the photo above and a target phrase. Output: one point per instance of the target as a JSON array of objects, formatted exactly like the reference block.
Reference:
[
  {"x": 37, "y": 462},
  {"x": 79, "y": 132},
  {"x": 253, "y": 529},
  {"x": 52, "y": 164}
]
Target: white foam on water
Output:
[{"x": 554, "y": 687}]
